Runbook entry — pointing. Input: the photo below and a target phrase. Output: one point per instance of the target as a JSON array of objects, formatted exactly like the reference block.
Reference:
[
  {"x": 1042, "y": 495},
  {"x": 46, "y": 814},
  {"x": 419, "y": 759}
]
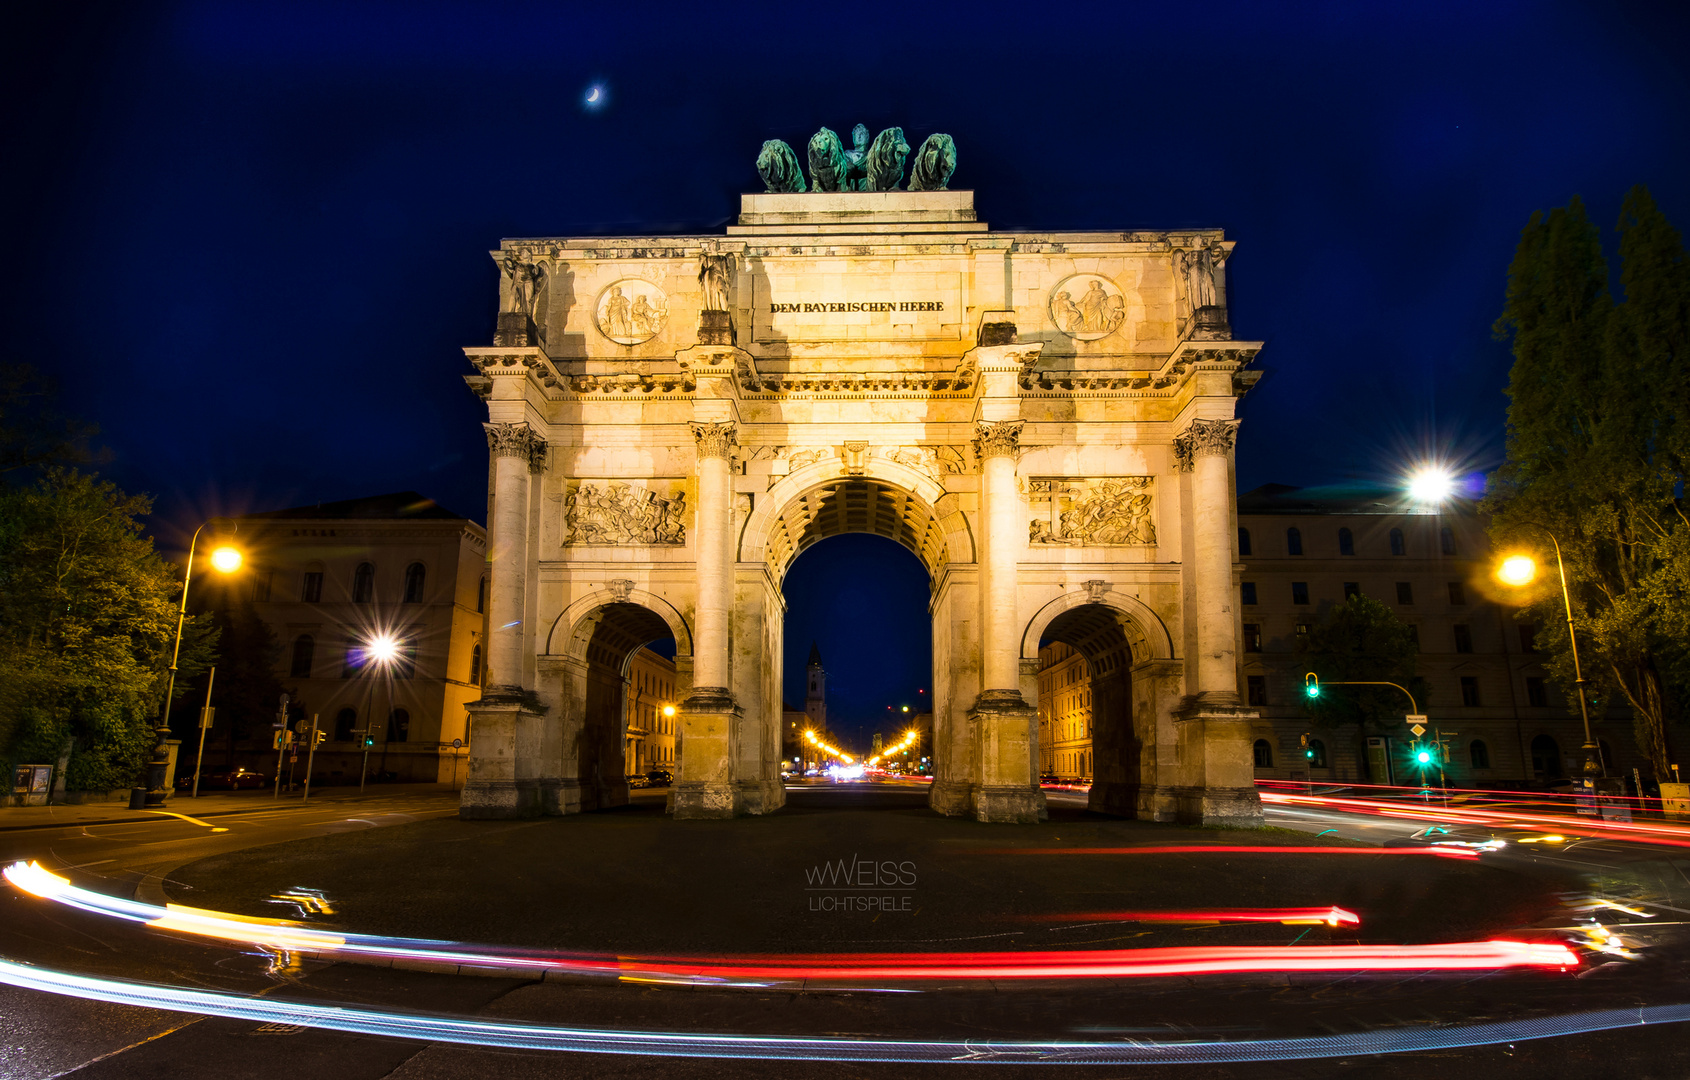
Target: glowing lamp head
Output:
[
  {"x": 226, "y": 559},
  {"x": 1517, "y": 570},
  {"x": 906, "y": 708},
  {"x": 383, "y": 649},
  {"x": 1424, "y": 757},
  {"x": 668, "y": 710},
  {"x": 1311, "y": 685},
  {"x": 1433, "y": 484}
]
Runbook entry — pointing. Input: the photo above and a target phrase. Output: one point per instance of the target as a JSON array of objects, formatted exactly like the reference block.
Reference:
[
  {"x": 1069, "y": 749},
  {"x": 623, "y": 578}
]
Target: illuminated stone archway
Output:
[{"x": 1045, "y": 420}]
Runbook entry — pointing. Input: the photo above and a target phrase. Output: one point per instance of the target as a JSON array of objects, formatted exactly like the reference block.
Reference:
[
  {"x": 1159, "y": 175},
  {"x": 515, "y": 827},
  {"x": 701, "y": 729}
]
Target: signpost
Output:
[
  {"x": 282, "y": 739},
  {"x": 205, "y": 726},
  {"x": 457, "y": 744},
  {"x": 310, "y": 757}
]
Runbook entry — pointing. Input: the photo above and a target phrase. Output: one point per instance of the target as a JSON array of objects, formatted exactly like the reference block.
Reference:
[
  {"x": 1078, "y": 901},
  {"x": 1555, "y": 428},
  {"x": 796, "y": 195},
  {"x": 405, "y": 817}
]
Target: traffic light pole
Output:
[
  {"x": 1311, "y": 687},
  {"x": 310, "y": 757}
]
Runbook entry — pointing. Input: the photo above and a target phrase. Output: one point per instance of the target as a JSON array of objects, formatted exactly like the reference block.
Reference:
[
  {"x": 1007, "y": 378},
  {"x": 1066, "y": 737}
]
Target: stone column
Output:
[
  {"x": 504, "y": 771},
  {"x": 708, "y": 717},
  {"x": 1006, "y": 726},
  {"x": 1216, "y": 776},
  {"x": 1209, "y": 446}
]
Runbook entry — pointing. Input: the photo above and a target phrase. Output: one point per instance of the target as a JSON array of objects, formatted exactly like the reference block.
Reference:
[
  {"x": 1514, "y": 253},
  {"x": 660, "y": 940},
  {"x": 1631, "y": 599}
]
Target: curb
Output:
[{"x": 150, "y": 818}]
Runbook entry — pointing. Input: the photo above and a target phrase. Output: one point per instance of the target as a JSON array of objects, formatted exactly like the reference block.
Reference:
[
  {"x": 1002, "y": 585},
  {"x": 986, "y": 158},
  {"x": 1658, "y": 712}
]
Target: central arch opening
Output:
[{"x": 1087, "y": 733}]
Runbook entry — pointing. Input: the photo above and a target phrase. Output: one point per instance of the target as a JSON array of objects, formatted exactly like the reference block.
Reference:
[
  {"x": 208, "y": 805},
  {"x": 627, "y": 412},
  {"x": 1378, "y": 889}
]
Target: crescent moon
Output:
[{"x": 594, "y": 96}]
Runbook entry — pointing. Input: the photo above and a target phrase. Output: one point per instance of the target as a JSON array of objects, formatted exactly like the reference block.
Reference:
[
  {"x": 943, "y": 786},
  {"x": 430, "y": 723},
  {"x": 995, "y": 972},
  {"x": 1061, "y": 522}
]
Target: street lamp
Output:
[
  {"x": 227, "y": 560},
  {"x": 382, "y": 649},
  {"x": 1519, "y": 571}
]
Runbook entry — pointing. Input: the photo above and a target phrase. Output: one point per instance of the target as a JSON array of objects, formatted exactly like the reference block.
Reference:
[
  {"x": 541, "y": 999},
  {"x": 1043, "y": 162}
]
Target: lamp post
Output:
[
  {"x": 1518, "y": 571},
  {"x": 224, "y": 559},
  {"x": 380, "y": 650}
]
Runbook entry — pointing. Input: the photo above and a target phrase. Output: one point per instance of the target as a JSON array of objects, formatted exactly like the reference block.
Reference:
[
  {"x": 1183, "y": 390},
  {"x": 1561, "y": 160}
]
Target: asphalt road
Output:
[{"x": 44, "y": 1035}]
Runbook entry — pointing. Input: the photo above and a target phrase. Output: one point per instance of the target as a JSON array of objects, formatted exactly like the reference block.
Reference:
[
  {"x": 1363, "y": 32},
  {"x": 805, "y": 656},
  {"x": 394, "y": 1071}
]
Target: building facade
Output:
[
  {"x": 1045, "y": 419},
  {"x": 331, "y": 579},
  {"x": 1493, "y": 712},
  {"x": 650, "y": 694}
]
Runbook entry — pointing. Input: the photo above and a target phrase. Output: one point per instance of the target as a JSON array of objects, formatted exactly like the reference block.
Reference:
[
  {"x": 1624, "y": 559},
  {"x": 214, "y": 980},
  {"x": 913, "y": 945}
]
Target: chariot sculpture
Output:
[{"x": 876, "y": 166}]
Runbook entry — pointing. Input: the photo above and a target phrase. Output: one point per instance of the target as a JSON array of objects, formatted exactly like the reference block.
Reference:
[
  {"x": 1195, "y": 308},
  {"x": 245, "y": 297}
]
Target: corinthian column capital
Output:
[
  {"x": 517, "y": 440},
  {"x": 1206, "y": 438},
  {"x": 715, "y": 440},
  {"x": 1000, "y": 438}
]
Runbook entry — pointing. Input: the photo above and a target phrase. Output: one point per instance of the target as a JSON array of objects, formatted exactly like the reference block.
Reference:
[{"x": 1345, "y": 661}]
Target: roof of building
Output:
[
  {"x": 1337, "y": 499},
  {"x": 815, "y": 656},
  {"x": 400, "y": 506}
]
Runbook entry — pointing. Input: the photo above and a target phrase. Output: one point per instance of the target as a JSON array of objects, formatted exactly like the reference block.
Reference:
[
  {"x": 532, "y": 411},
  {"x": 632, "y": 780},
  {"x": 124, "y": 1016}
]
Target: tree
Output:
[
  {"x": 1361, "y": 641},
  {"x": 247, "y": 690},
  {"x": 87, "y": 621},
  {"x": 32, "y": 433},
  {"x": 1598, "y": 440}
]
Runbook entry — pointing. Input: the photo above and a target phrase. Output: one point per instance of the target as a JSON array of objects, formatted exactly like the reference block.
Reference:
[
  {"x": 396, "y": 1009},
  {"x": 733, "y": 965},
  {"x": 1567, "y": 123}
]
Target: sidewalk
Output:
[{"x": 209, "y": 804}]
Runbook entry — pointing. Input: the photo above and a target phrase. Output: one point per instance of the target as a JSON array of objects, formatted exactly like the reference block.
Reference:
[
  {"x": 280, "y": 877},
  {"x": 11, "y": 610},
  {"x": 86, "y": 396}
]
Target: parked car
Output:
[
  {"x": 229, "y": 779},
  {"x": 659, "y": 778},
  {"x": 635, "y": 780}
]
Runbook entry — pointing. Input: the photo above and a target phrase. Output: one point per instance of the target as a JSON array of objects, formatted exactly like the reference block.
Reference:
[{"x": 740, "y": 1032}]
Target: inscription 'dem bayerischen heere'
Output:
[{"x": 859, "y": 305}]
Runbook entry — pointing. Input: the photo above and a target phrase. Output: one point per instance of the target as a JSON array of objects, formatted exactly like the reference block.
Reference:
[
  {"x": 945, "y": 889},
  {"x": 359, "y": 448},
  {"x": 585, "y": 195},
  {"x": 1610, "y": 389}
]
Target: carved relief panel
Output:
[
  {"x": 617, "y": 512},
  {"x": 1102, "y": 511}
]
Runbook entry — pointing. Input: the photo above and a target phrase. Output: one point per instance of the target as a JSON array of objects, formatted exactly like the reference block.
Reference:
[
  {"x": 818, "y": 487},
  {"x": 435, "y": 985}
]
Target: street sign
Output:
[
  {"x": 206, "y": 715},
  {"x": 1418, "y": 730},
  {"x": 1414, "y": 718},
  {"x": 457, "y": 744}
]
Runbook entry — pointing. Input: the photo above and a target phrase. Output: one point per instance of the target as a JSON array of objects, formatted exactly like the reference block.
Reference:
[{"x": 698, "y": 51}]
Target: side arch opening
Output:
[
  {"x": 1087, "y": 721},
  {"x": 626, "y": 681}
]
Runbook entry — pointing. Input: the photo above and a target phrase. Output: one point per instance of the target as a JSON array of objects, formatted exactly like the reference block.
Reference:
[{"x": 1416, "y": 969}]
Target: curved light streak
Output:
[
  {"x": 1638, "y": 832},
  {"x": 807, "y": 1048},
  {"x": 1331, "y": 916},
  {"x": 1237, "y": 849}
]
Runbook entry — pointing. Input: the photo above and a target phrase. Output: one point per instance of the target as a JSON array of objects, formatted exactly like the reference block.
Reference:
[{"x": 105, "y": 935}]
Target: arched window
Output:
[
  {"x": 344, "y": 722},
  {"x": 475, "y": 665},
  {"x": 1317, "y": 754},
  {"x": 1546, "y": 758},
  {"x": 364, "y": 584},
  {"x": 1446, "y": 538},
  {"x": 1479, "y": 754},
  {"x": 481, "y": 596},
  {"x": 398, "y": 726},
  {"x": 1346, "y": 542},
  {"x": 1294, "y": 541},
  {"x": 302, "y": 649},
  {"x": 414, "y": 583},
  {"x": 1243, "y": 541},
  {"x": 1264, "y": 754},
  {"x": 1397, "y": 545}
]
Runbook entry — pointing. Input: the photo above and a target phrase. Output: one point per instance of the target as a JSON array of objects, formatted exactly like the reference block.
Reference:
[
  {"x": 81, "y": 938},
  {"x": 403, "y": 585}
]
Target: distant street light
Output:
[
  {"x": 158, "y": 784},
  {"x": 1431, "y": 484},
  {"x": 1519, "y": 571}
]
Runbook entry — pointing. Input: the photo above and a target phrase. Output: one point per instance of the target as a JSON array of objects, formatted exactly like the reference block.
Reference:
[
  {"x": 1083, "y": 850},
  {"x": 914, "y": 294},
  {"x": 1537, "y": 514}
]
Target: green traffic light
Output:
[
  {"x": 1313, "y": 691},
  {"x": 1423, "y": 756},
  {"x": 1308, "y": 753}
]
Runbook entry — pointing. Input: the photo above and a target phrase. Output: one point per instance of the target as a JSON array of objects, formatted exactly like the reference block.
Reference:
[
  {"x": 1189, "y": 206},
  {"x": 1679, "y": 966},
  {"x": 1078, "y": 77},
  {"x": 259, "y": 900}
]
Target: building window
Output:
[
  {"x": 1352, "y": 589},
  {"x": 1256, "y": 689},
  {"x": 475, "y": 665},
  {"x": 344, "y": 722},
  {"x": 1414, "y": 636},
  {"x": 481, "y": 596},
  {"x": 1405, "y": 592},
  {"x": 1470, "y": 691},
  {"x": 1293, "y": 541},
  {"x": 414, "y": 575},
  {"x": 1243, "y": 541},
  {"x": 1299, "y": 592},
  {"x": 1536, "y": 695},
  {"x": 302, "y": 648},
  {"x": 1252, "y": 637},
  {"x": 1346, "y": 542},
  {"x": 1479, "y": 754},
  {"x": 1302, "y": 629},
  {"x": 1248, "y": 589},
  {"x": 261, "y": 578},
  {"x": 1546, "y": 758},
  {"x": 1457, "y": 593},
  {"x": 1446, "y": 540},
  {"x": 399, "y": 726},
  {"x": 1463, "y": 638},
  {"x": 311, "y": 587},
  {"x": 364, "y": 584},
  {"x": 1397, "y": 545},
  {"x": 1264, "y": 754},
  {"x": 1317, "y": 754},
  {"x": 1528, "y": 637}
]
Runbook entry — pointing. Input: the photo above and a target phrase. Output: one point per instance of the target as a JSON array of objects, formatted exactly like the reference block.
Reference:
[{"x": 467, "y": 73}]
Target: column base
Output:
[
  {"x": 499, "y": 799},
  {"x": 705, "y": 788},
  {"x": 1233, "y": 808},
  {"x": 950, "y": 798},
  {"x": 559, "y": 797},
  {"x": 1010, "y": 805},
  {"x": 1158, "y": 804},
  {"x": 1114, "y": 797},
  {"x": 760, "y": 796},
  {"x": 698, "y": 801}
]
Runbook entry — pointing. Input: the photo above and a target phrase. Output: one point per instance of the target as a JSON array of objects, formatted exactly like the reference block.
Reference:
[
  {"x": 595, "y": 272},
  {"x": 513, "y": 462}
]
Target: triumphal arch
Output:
[{"x": 1046, "y": 419}]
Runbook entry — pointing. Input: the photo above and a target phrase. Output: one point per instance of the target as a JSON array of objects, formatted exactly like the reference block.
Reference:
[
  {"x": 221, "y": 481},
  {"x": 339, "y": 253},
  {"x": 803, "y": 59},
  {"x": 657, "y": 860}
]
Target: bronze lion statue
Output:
[
  {"x": 827, "y": 162},
  {"x": 934, "y": 162},
  {"x": 886, "y": 160},
  {"x": 778, "y": 166}
]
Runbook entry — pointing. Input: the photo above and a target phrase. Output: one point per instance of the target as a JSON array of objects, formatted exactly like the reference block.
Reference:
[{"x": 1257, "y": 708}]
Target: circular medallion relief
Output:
[
  {"x": 1087, "y": 306},
  {"x": 632, "y": 311}
]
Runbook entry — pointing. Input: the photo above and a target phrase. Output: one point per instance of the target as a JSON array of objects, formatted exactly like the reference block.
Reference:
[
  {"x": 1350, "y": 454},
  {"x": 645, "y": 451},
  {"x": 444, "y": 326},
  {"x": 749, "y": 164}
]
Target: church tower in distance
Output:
[{"x": 815, "y": 699}]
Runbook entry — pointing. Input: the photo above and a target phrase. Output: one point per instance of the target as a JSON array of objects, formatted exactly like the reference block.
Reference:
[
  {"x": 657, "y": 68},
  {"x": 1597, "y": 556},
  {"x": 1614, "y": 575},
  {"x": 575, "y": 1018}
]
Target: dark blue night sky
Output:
[{"x": 250, "y": 237}]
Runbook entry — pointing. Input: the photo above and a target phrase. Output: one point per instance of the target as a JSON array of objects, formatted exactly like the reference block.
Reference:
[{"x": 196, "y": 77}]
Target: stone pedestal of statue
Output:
[
  {"x": 705, "y": 788},
  {"x": 1218, "y": 777},
  {"x": 501, "y": 727},
  {"x": 715, "y": 328},
  {"x": 1007, "y": 731},
  {"x": 513, "y": 331},
  {"x": 1210, "y": 324}
]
